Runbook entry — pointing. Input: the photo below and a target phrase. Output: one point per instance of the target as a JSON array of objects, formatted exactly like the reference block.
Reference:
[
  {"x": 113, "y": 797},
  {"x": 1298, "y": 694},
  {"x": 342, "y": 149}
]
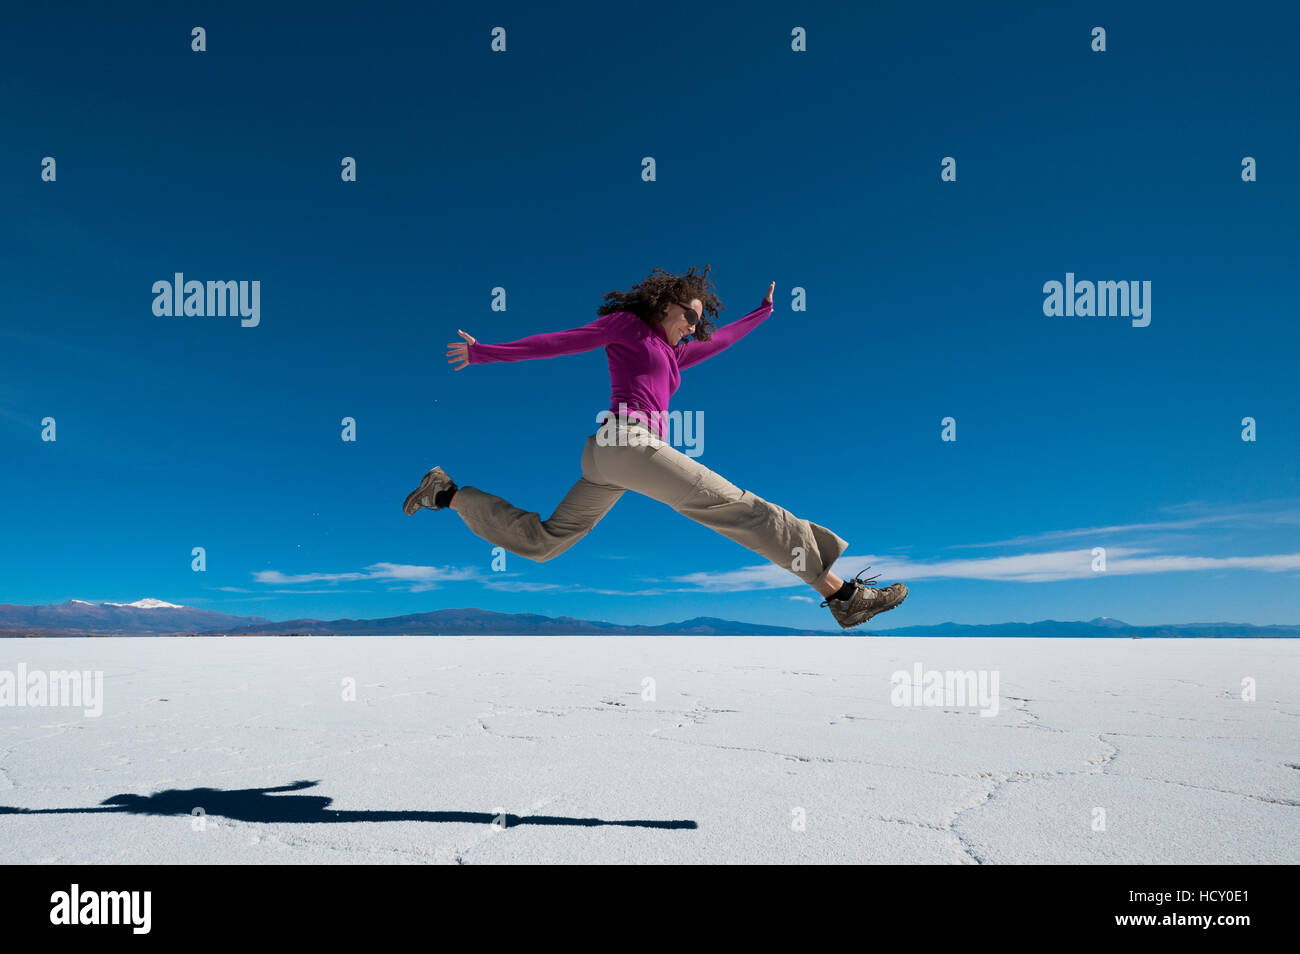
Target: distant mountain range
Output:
[
  {"x": 150, "y": 617},
  {"x": 146, "y": 617},
  {"x": 479, "y": 622}
]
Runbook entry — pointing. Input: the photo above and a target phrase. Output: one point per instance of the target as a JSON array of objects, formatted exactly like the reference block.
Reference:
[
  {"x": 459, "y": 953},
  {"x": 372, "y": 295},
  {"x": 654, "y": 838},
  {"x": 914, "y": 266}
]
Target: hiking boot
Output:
[
  {"x": 865, "y": 601},
  {"x": 434, "y": 481}
]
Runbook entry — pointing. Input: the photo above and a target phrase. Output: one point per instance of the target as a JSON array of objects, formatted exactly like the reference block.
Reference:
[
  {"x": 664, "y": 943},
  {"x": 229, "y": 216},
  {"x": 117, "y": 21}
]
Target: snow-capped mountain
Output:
[
  {"x": 146, "y": 603},
  {"x": 146, "y": 617},
  {"x": 1108, "y": 622}
]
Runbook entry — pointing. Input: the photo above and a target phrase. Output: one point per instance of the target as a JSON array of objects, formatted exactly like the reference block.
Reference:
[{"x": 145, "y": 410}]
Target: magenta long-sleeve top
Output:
[{"x": 644, "y": 367}]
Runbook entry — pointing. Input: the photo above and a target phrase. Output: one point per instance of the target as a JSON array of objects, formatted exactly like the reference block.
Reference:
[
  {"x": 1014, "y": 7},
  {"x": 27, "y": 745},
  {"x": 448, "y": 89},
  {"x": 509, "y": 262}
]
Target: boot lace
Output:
[{"x": 869, "y": 581}]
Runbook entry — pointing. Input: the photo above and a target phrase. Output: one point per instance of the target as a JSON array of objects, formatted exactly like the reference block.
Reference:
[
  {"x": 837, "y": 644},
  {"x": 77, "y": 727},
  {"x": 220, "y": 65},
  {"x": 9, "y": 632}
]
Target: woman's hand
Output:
[
  {"x": 771, "y": 288},
  {"x": 459, "y": 350}
]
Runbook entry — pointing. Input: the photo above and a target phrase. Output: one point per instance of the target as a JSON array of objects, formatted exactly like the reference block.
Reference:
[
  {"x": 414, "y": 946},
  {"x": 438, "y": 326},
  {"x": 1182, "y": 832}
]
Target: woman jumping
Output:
[{"x": 642, "y": 332}]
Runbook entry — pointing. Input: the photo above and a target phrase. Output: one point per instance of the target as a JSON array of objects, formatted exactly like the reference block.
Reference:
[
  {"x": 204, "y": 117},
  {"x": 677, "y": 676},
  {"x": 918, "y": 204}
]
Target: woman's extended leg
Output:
[
  {"x": 655, "y": 469},
  {"x": 804, "y": 548},
  {"x": 830, "y": 584},
  {"x": 523, "y": 532},
  {"x": 658, "y": 470}
]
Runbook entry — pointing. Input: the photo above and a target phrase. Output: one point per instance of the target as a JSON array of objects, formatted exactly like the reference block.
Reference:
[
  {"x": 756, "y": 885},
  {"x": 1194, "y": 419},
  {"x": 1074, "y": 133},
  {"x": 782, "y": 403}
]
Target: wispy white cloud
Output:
[
  {"x": 655, "y": 592},
  {"x": 523, "y": 586},
  {"x": 1045, "y": 567},
  {"x": 1271, "y": 563},
  {"x": 415, "y": 579},
  {"x": 1254, "y": 517},
  {"x": 1035, "y": 567},
  {"x": 330, "y": 592},
  {"x": 766, "y": 576},
  {"x": 418, "y": 579},
  {"x": 278, "y": 578}
]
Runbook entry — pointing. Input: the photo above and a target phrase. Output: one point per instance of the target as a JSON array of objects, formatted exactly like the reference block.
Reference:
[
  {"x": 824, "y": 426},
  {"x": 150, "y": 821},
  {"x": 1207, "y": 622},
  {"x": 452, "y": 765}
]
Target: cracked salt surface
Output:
[{"x": 743, "y": 736}]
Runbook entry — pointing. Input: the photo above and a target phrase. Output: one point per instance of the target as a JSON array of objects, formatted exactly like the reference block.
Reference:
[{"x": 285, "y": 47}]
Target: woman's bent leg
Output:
[
  {"x": 523, "y": 532},
  {"x": 806, "y": 549}
]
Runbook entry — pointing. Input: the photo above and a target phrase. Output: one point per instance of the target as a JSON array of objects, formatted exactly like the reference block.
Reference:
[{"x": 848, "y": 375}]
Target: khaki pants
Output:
[{"x": 657, "y": 470}]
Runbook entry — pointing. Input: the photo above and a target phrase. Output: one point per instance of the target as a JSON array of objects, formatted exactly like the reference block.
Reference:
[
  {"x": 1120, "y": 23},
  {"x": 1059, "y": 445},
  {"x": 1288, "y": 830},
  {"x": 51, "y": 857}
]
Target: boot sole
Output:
[
  {"x": 412, "y": 504},
  {"x": 885, "y": 609}
]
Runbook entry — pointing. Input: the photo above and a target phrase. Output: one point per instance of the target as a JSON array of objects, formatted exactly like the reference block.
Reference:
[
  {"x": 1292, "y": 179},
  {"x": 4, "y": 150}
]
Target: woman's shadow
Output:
[{"x": 263, "y": 805}]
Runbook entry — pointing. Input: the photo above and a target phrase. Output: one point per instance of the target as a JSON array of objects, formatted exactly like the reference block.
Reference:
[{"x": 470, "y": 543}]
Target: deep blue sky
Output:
[{"x": 817, "y": 170}]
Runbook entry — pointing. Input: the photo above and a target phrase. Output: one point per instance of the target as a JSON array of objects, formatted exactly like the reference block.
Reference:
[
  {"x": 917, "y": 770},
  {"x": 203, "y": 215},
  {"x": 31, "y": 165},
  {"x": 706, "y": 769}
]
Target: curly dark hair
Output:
[{"x": 650, "y": 298}]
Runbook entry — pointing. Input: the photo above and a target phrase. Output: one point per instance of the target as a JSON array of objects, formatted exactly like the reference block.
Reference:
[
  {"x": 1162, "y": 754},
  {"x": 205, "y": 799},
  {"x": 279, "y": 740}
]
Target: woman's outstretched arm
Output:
[
  {"x": 551, "y": 344},
  {"x": 693, "y": 352}
]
